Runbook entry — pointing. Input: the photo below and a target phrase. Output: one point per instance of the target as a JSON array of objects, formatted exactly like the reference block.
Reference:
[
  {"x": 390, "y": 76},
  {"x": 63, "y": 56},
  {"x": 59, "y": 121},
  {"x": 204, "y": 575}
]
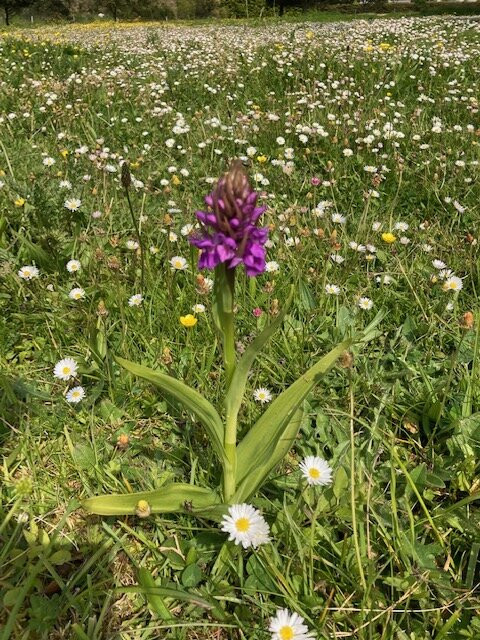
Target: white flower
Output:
[
  {"x": 178, "y": 263},
  {"x": 28, "y": 272},
  {"x": 272, "y": 267},
  {"x": 454, "y": 283},
  {"x": 96, "y": 215},
  {"x": 76, "y": 294},
  {"x": 280, "y": 141},
  {"x": 72, "y": 204},
  {"x": 246, "y": 526},
  {"x": 376, "y": 226},
  {"x": 337, "y": 217},
  {"x": 73, "y": 266},
  {"x": 262, "y": 395},
  {"x": 336, "y": 258},
  {"x": 288, "y": 626},
  {"x": 48, "y": 162},
  {"x": 347, "y": 153},
  {"x": 170, "y": 143},
  {"x": 316, "y": 471},
  {"x": 438, "y": 264},
  {"x": 401, "y": 226},
  {"x": 365, "y": 303},
  {"x": 172, "y": 236},
  {"x": 75, "y": 394},
  {"x": 135, "y": 300},
  {"x": 332, "y": 289},
  {"x": 65, "y": 369},
  {"x": 187, "y": 229},
  {"x": 132, "y": 245},
  {"x": 198, "y": 308}
]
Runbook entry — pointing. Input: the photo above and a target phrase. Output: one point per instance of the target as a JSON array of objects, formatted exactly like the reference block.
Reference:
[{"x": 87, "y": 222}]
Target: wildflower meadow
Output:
[{"x": 239, "y": 330}]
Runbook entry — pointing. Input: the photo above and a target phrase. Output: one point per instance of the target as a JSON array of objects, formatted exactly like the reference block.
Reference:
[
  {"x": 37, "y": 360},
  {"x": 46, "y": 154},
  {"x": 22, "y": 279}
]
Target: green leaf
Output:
[
  {"x": 236, "y": 390},
  {"x": 191, "y": 576},
  {"x": 169, "y": 499},
  {"x": 60, "y": 557},
  {"x": 147, "y": 582},
  {"x": 194, "y": 401},
  {"x": 273, "y": 432}
]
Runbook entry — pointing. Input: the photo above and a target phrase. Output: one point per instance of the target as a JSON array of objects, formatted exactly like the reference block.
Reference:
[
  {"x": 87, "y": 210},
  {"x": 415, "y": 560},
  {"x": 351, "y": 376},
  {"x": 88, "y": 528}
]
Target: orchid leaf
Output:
[
  {"x": 171, "y": 498},
  {"x": 269, "y": 435},
  {"x": 236, "y": 391},
  {"x": 190, "y": 398}
]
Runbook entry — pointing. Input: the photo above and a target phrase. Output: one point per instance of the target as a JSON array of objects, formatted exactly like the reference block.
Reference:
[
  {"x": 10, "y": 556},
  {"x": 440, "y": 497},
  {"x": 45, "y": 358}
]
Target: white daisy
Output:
[
  {"x": 198, "y": 308},
  {"x": 73, "y": 266},
  {"x": 28, "y": 272},
  {"x": 187, "y": 229},
  {"x": 438, "y": 264},
  {"x": 75, "y": 394},
  {"x": 288, "y": 626},
  {"x": 365, "y": 303},
  {"x": 77, "y": 293},
  {"x": 132, "y": 245},
  {"x": 316, "y": 471},
  {"x": 332, "y": 289},
  {"x": 246, "y": 526},
  {"x": 178, "y": 263},
  {"x": 72, "y": 204},
  {"x": 454, "y": 283},
  {"x": 337, "y": 217},
  {"x": 135, "y": 300},
  {"x": 48, "y": 162},
  {"x": 65, "y": 369},
  {"x": 262, "y": 395}
]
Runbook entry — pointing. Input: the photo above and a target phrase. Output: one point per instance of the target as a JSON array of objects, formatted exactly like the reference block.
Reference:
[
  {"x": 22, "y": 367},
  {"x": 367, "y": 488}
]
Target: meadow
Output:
[{"x": 362, "y": 139}]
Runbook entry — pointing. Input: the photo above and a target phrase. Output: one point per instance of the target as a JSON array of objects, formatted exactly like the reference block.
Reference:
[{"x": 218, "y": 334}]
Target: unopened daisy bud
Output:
[
  {"x": 126, "y": 176},
  {"x": 143, "y": 509}
]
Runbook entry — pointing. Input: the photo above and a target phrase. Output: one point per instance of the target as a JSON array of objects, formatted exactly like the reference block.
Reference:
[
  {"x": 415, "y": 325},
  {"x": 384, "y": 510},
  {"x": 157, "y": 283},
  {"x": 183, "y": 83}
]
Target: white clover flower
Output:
[
  {"x": 262, "y": 395},
  {"x": 272, "y": 267},
  {"x": 178, "y": 263},
  {"x": 77, "y": 293},
  {"x": 135, "y": 300},
  {"x": 73, "y": 266},
  {"x": 453, "y": 283},
  {"x": 347, "y": 153},
  {"x": 332, "y": 289},
  {"x": 316, "y": 470},
  {"x": 246, "y": 526},
  {"x": 365, "y": 303},
  {"x": 72, "y": 204},
  {"x": 288, "y": 626},
  {"x": 280, "y": 141},
  {"x": 132, "y": 245},
  {"x": 28, "y": 272},
  {"x": 74, "y": 395},
  {"x": 65, "y": 369}
]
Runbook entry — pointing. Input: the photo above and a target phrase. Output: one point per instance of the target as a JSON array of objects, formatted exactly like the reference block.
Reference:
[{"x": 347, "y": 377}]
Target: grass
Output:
[{"x": 390, "y": 550}]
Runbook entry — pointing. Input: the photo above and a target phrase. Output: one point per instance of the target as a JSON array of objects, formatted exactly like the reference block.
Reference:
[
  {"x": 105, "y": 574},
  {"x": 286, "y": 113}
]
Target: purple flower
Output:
[{"x": 229, "y": 225}]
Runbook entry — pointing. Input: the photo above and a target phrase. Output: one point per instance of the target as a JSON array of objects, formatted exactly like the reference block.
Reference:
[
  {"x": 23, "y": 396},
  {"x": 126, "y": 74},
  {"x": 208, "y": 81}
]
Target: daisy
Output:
[
  {"x": 72, "y": 204},
  {"x": 135, "y": 300},
  {"x": 272, "y": 267},
  {"x": 73, "y": 266},
  {"x": 198, "y": 308},
  {"x": 337, "y": 217},
  {"x": 77, "y": 294},
  {"x": 75, "y": 394},
  {"x": 246, "y": 526},
  {"x": 178, "y": 263},
  {"x": 28, "y": 272},
  {"x": 332, "y": 289},
  {"x": 65, "y": 369},
  {"x": 365, "y": 303},
  {"x": 454, "y": 283},
  {"x": 262, "y": 395},
  {"x": 288, "y": 626},
  {"x": 187, "y": 229},
  {"x": 336, "y": 258},
  {"x": 316, "y": 471},
  {"x": 438, "y": 264},
  {"x": 132, "y": 245},
  {"x": 48, "y": 162}
]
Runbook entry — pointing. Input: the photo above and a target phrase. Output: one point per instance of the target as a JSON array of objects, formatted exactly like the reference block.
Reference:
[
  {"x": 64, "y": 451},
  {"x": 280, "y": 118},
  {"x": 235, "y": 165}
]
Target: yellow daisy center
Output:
[
  {"x": 65, "y": 370},
  {"x": 242, "y": 524},
  {"x": 75, "y": 394},
  {"x": 314, "y": 473},
  {"x": 286, "y": 633}
]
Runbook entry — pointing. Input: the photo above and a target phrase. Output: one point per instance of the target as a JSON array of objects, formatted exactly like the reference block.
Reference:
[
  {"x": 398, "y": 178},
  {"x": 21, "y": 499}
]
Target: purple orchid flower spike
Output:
[{"x": 230, "y": 234}]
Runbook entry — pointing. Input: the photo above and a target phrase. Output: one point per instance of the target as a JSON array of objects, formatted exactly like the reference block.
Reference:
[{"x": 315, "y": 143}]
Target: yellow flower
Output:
[
  {"x": 188, "y": 320},
  {"x": 2, "y": 173},
  {"x": 64, "y": 153},
  {"x": 368, "y": 48},
  {"x": 389, "y": 238},
  {"x": 176, "y": 180},
  {"x": 19, "y": 202},
  {"x": 309, "y": 35},
  {"x": 261, "y": 159},
  {"x": 384, "y": 46}
]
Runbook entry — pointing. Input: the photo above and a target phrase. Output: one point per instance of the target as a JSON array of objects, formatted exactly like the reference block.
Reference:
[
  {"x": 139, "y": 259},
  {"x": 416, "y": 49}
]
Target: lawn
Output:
[{"x": 362, "y": 141}]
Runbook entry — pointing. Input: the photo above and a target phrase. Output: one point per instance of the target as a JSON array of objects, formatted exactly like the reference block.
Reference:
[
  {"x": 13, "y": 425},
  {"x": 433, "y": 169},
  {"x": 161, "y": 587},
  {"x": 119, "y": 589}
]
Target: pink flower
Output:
[
  {"x": 315, "y": 181},
  {"x": 257, "y": 312}
]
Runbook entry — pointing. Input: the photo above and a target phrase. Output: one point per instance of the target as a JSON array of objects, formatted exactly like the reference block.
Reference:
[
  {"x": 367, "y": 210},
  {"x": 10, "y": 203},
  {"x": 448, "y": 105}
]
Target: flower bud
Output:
[{"x": 143, "y": 509}]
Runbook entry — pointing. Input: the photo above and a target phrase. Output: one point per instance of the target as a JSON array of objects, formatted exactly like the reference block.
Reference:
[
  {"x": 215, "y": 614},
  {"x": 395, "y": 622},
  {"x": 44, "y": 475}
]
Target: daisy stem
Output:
[
  {"x": 139, "y": 239},
  {"x": 353, "y": 501}
]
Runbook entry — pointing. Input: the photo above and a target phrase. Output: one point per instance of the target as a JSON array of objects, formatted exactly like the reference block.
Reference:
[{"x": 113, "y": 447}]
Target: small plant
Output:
[{"x": 230, "y": 236}]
